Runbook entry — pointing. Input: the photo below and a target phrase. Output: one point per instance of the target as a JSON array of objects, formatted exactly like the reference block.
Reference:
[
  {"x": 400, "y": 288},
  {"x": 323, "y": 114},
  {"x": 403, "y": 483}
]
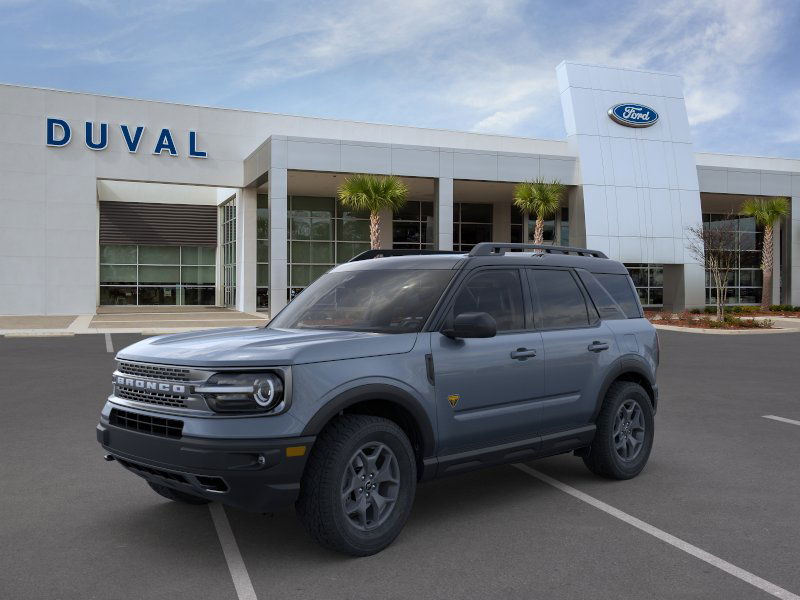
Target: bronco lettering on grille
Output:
[{"x": 155, "y": 386}]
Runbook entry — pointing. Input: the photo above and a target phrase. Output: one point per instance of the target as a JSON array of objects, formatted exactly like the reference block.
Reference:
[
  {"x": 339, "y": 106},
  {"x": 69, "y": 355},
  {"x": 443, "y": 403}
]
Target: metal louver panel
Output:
[{"x": 148, "y": 223}]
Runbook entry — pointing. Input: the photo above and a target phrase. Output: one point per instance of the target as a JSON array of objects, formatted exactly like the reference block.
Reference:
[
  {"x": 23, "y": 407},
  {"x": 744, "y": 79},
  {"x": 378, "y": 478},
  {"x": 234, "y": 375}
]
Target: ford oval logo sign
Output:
[{"x": 633, "y": 115}]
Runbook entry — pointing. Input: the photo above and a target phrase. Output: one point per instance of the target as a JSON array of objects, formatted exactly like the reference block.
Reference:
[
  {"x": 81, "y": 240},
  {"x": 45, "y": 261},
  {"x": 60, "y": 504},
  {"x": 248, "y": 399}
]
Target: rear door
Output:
[
  {"x": 578, "y": 348},
  {"x": 487, "y": 388}
]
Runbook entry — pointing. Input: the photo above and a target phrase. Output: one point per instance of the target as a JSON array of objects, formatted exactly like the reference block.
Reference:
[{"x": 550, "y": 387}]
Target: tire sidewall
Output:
[
  {"x": 627, "y": 469},
  {"x": 383, "y": 535}
]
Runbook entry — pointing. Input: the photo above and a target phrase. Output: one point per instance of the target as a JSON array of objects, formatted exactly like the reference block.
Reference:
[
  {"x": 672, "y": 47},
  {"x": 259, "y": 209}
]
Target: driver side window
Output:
[{"x": 497, "y": 292}]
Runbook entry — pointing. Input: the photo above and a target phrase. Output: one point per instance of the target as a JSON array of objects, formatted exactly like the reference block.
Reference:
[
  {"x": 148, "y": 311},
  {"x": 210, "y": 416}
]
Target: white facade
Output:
[{"x": 633, "y": 190}]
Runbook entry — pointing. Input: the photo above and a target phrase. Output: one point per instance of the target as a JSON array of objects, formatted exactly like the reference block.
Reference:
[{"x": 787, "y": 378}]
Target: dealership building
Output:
[{"x": 113, "y": 201}]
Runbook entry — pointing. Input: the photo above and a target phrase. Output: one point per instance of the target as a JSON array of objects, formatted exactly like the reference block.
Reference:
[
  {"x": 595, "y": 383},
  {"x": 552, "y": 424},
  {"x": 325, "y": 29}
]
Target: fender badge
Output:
[{"x": 453, "y": 399}]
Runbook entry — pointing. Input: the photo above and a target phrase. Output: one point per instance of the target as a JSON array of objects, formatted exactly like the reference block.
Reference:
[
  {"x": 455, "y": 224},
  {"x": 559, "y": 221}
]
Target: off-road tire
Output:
[
  {"x": 176, "y": 495},
  {"x": 602, "y": 458},
  {"x": 320, "y": 504}
]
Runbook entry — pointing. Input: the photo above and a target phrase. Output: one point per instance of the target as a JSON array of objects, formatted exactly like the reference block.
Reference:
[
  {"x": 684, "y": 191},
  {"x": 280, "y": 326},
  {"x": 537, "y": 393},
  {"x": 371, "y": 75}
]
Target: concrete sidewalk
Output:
[{"x": 130, "y": 319}]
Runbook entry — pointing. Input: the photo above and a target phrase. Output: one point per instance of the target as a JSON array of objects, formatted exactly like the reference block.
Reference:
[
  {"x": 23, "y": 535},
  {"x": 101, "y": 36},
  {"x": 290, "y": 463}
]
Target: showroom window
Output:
[
  {"x": 262, "y": 252},
  {"x": 649, "y": 282},
  {"x": 228, "y": 237},
  {"x": 745, "y": 279},
  {"x": 322, "y": 233},
  {"x": 472, "y": 224},
  {"x": 556, "y": 231},
  {"x": 413, "y": 226},
  {"x": 157, "y": 275}
]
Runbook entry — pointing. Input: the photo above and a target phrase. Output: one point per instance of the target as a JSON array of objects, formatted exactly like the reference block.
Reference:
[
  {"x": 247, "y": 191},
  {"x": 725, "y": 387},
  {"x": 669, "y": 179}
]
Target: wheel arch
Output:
[
  {"x": 386, "y": 401},
  {"x": 631, "y": 369}
]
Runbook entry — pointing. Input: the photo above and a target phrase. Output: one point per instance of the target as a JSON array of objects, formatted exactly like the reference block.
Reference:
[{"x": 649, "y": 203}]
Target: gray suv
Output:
[{"x": 394, "y": 368}]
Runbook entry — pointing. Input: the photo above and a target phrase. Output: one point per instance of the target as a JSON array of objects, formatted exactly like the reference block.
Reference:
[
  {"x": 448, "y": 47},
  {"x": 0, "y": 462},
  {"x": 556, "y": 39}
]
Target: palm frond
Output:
[
  {"x": 539, "y": 197},
  {"x": 765, "y": 211},
  {"x": 373, "y": 193}
]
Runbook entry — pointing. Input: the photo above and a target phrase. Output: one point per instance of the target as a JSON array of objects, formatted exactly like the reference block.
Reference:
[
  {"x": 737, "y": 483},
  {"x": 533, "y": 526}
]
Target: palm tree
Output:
[
  {"x": 373, "y": 193},
  {"x": 541, "y": 198},
  {"x": 766, "y": 211}
]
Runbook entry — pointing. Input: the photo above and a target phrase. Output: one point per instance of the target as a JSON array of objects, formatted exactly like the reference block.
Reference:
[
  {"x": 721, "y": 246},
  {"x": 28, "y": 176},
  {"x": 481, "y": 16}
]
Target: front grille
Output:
[
  {"x": 154, "y": 371},
  {"x": 150, "y": 397},
  {"x": 171, "y": 428},
  {"x": 145, "y": 470}
]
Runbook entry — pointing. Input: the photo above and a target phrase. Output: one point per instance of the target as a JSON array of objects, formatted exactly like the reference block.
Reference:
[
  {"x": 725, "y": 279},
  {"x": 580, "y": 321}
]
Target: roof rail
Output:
[
  {"x": 490, "y": 248},
  {"x": 385, "y": 252}
]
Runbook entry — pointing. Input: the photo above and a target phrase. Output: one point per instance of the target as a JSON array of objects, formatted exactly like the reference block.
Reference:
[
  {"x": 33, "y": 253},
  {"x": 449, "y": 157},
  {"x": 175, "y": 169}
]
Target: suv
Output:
[{"x": 393, "y": 368}]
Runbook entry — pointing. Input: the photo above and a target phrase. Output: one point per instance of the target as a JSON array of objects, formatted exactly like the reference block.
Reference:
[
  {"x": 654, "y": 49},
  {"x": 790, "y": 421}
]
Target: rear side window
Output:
[
  {"x": 561, "y": 303},
  {"x": 621, "y": 290},
  {"x": 605, "y": 304}
]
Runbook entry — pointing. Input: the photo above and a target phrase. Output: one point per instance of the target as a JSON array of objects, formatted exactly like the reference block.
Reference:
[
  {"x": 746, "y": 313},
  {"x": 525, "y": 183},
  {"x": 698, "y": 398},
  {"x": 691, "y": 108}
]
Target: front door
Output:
[{"x": 487, "y": 388}]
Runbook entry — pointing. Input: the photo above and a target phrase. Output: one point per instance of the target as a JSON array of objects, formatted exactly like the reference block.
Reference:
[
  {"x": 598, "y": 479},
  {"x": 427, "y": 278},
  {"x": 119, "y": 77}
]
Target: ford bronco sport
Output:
[{"x": 393, "y": 368}]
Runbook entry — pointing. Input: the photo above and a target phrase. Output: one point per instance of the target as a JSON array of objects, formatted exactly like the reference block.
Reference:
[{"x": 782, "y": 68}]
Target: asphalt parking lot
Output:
[{"x": 722, "y": 478}]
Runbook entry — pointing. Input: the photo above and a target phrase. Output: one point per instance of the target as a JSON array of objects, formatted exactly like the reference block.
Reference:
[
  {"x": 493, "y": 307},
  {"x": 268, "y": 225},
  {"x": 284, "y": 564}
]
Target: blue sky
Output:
[{"x": 478, "y": 65}]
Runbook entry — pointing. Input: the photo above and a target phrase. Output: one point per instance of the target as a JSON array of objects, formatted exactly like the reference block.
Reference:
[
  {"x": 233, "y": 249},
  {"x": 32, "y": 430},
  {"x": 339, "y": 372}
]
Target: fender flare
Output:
[
  {"x": 376, "y": 391},
  {"x": 626, "y": 364}
]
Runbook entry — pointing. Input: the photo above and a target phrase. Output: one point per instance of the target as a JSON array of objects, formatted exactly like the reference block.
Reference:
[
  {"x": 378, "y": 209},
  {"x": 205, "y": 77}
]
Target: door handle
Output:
[
  {"x": 522, "y": 353},
  {"x": 598, "y": 346}
]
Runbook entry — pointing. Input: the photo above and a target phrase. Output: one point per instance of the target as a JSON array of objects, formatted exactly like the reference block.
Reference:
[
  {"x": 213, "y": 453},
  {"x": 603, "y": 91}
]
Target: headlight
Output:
[{"x": 243, "y": 392}]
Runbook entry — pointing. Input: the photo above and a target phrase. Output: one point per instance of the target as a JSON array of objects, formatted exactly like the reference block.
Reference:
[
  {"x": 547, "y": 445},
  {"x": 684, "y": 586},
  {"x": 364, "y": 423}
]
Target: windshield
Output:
[{"x": 381, "y": 301}]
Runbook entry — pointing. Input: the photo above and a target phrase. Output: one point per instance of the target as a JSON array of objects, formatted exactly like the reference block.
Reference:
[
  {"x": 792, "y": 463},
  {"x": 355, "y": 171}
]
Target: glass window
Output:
[
  {"x": 159, "y": 255},
  {"x": 381, "y": 301},
  {"x": 516, "y": 225},
  {"x": 412, "y": 226},
  {"x": 228, "y": 248},
  {"x": 497, "y": 292},
  {"x": 322, "y": 233},
  {"x": 118, "y": 255},
  {"x": 472, "y": 224},
  {"x": 619, "y": 287},
  {"x": 649, "y": 282},
  {"x": 606, "y": 306},
  {"x": 177, "y": 281},
  {"x": 561, "y": 303},
  {"x": 744, "y": 280}
]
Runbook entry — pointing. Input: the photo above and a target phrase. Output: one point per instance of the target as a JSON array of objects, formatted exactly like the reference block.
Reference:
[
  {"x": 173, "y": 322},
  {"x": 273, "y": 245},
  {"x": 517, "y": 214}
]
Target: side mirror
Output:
[{"x": 472, "y": 325}]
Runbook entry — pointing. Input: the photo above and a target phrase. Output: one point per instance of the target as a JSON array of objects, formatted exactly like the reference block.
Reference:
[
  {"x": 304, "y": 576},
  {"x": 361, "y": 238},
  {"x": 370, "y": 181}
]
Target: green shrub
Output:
[
  {"x": 783, "y": 308},
  {"x": 695, "y": 311},
  {"x": 710, "y": 310}
]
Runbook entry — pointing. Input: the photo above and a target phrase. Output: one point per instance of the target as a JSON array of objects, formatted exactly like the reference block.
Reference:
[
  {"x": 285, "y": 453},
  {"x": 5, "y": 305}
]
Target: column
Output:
[
  {"x": 684, "y": 287},
  {"x": 386, "y": 238},
  {"x": 793, "y": 270},
  {"x": 501, "y": 222},
  {"x": 246, "y": 205},
  {"x": 278, "y": 263},
  {"x": 443, "y": 211}
]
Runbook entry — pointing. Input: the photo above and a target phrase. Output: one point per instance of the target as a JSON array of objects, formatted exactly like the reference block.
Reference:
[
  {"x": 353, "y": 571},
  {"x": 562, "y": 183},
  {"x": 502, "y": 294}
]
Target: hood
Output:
[{"x": 257, "y": 346}]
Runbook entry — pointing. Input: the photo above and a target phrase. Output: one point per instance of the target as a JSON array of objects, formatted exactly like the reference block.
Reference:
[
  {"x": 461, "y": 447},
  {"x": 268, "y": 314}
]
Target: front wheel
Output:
[
  {"x": 625, "y": 429},
  {"x": 359, "y": 485}
]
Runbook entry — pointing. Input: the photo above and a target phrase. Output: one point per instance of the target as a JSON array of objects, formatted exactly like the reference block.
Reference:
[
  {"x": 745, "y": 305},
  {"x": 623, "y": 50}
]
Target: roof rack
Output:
[
  {"x": 490, "y": 248},
  {"x": 385, "y": 252}
]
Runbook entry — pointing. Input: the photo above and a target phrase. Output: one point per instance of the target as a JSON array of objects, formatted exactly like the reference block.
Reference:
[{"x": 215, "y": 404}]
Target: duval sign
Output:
[
  {"x": 59, "y": 134},
  {"x": 633, "y": 115}
]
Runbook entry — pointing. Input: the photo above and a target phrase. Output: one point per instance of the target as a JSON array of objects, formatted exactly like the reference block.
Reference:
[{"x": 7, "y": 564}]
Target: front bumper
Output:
[{"x": 256, "y": 475}]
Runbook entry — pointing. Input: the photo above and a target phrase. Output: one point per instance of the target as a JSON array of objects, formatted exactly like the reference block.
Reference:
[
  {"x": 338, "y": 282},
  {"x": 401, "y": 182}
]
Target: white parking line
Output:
[
  {"x": 109, "y": 345},
  {"x": 241, "y": 580},
  {"x": 746, "y": 576},
  {"x": 782, "y": 419}
]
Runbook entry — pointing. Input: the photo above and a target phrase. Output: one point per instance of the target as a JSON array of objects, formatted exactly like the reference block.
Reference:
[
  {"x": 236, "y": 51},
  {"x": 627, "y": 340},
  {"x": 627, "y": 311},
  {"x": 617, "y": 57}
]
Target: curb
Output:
[{"x": 723, "y": 331}]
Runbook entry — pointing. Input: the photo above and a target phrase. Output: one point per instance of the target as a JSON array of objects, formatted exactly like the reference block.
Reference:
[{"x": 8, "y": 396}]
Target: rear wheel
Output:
[
  {"x": 359, "y": 485},
  {"x": 176, "y": 495},
  {"x": 625, "y": 429}
]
